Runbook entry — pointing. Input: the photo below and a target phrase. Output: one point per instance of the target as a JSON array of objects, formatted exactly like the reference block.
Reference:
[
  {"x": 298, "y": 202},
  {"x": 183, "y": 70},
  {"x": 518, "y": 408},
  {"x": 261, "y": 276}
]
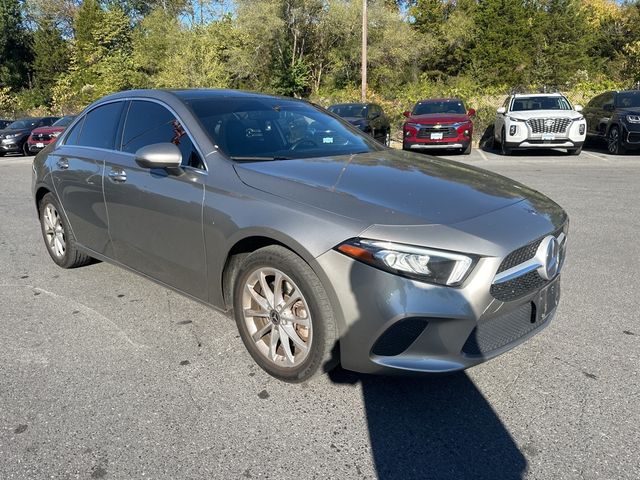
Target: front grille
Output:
[
  {"x": 528, "y": 283},
  {"x": 497, "y": 332},
  {"x": 548, "y": 125},
  {"x": 42, "y": 136},
  {"x": 446, "y": 130},
  {"x": 397, "y": 338}
]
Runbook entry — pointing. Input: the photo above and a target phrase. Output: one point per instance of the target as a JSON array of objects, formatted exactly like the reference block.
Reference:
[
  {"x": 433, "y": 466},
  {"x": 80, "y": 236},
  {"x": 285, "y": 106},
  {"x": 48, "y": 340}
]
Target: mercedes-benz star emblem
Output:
[{"x": 549, "y": 256}]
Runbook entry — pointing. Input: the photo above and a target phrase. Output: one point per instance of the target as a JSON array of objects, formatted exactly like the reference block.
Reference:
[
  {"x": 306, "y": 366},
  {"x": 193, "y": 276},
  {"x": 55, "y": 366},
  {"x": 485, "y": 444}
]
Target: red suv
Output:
[
  {"x": 43, "y": 136},
  {"x": 442, "y": 123}
]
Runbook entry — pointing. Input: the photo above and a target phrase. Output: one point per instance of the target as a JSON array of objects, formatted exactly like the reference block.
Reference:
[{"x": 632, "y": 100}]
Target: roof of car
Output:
[
  {"x": 451, "y": 99},
  {"x": 349, "y": 104},
  {"x": 555, "y": 94}
]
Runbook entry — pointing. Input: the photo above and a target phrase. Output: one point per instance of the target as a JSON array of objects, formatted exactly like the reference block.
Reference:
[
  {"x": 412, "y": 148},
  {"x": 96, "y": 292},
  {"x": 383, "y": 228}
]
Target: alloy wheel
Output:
[
  {"x": 277, "y": 317},
  {"x": 613, "y": 141},
  {"x": 54, "y": 231}
]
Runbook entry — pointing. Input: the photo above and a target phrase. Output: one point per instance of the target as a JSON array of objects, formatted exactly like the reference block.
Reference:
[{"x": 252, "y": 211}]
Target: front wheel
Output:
[
  {"x": 503, "y": 145},
  {"x": 467, "y": 150},
  {"x": 283, "y": 315},
  {"x": 614, "y": 142},
  {"x": 25, "y": 149}
]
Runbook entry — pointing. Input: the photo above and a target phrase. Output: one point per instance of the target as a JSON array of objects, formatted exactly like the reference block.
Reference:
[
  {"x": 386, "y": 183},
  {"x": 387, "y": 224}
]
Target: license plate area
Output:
[
  {"x": 39, "y": 145},
  {"x": 547, "y": 300},
  {"x": 437, "y": 136},
  {"x": 548, "y": 136}
]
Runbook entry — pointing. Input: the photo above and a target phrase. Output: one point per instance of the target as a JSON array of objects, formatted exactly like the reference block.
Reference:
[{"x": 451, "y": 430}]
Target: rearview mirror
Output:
[
  {"x": 159, "y": 155},
  {"x": 577, "y": 108},
  {"x": 406, "y": 113},
  {"x": 501, "y": 111},
  {"x": 471, "y": 112}
]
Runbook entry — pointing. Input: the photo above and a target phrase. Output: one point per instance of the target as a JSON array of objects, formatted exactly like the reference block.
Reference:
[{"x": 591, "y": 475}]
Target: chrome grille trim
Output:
[{"x": 549, "y": 125}]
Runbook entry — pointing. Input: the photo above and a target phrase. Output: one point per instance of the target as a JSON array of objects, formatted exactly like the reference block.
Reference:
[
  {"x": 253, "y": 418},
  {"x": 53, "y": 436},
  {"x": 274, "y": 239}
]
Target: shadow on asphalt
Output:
[{"x": 434, "y": 428}]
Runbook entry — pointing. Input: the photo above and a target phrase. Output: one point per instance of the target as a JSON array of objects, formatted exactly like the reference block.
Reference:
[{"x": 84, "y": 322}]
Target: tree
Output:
[
  {"x": 51, "y": 59},
  {"x": 15, "y": 46}
]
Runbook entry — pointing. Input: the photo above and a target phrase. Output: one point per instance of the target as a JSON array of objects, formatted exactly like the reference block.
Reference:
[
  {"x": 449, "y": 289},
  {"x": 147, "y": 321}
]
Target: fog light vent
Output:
[
  {"x": 512, "y": 130},
  {"x": 399, "y": 336}
]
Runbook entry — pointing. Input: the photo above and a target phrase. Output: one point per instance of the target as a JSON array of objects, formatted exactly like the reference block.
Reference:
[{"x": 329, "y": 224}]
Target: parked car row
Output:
[
  {"x": 524, "y": 121},
  {"x": 28, "y": 136}
]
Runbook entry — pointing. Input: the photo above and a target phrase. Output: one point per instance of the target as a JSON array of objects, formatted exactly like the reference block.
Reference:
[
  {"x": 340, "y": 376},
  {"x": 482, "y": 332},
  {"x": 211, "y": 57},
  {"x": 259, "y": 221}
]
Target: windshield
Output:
[
  {"x": 256, "y": 128},
  {"x": 351, "y": 110},
  {"x": 24, "y": 123},
  {"x": 64, "y": 121},
  {"x": 439, "y": 106},
  {"x": 522, "y": 104},
  {"x": 629, "y": 99}
]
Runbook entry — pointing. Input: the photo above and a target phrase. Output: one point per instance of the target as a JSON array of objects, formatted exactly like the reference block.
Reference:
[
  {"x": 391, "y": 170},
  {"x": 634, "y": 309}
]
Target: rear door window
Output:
[
  {"x": 100, "y": 126},
  {"x": 149, "y": 122},
  {"x": 74, "y": 133}
]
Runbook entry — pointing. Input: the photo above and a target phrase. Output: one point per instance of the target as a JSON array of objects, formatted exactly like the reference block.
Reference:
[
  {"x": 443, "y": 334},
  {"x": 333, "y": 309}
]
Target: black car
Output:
[
  {"x": 368, "y": 117},
  {"x": 615, "y": 117},
  {"x": 4, "y": 123},
  {"x": 13, "y": 138}
]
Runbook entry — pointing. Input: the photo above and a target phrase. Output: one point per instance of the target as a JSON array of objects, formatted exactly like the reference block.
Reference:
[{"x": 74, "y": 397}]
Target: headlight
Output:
[
  {"x": 633, "y": 118},
  {"x": 577, "y": 119},
  {"x": 424, "y": 264},
  {"x": 514, "y": 119},
  {"x": 56, "y": 134},
  {"x": 12, "y": 135},
  {"x": 413, "y": 125}
]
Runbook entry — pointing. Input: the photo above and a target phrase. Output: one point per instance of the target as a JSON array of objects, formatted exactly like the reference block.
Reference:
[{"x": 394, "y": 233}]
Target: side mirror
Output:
[
  {"x": 374, "y": 115},
  {"x": 501, "y": 111},
  {"x": 577, "y": 108},
  {"x": 159, "y": 155},
  {"x": 406, "y": 113},
  {"x": 471, "y": 112}
]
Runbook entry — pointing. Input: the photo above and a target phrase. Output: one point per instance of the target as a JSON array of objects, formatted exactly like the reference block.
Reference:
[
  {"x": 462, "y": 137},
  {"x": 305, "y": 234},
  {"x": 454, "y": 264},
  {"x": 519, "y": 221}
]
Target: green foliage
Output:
[{"x": 15, "y": 46}]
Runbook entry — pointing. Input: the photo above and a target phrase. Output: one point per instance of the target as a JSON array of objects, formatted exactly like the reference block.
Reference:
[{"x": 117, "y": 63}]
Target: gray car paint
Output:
[{"x": 179, "y": 230}]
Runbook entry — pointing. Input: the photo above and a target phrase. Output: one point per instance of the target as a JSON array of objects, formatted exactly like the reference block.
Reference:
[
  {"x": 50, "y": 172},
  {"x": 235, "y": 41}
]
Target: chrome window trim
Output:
[{"x": 119, "y": 150}]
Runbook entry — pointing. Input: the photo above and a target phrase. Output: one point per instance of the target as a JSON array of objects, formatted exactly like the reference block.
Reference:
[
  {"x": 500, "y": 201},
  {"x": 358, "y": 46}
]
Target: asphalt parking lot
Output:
[{"x": 107, "y": 375}]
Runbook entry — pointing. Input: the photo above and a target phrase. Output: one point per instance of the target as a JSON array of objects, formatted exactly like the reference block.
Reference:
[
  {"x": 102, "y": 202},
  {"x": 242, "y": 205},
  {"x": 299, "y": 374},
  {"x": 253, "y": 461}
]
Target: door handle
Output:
[
  {"x": 118, "y": 175},
  {"x": 62, "y": 163}
]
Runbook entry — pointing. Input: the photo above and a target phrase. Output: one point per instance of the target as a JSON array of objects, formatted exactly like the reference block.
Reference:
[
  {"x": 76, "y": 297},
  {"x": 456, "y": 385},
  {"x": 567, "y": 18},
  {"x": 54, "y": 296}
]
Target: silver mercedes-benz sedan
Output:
[{"x": 324, "y": 245}]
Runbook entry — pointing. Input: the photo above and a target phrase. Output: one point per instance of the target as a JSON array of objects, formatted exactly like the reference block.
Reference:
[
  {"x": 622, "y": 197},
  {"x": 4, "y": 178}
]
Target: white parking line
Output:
[
  {"x": 595, "y": 156},
  {"x": 482, "y": 154}
]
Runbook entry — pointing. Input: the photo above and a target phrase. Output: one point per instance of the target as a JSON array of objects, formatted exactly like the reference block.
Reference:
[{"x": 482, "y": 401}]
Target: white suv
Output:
[{"x": 540, "y": 120}]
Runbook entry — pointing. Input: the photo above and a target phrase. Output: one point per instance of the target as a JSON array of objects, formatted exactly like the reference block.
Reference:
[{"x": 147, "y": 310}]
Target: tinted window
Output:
[
  {"x": 349, "y": 110},
  {"x": 628, "y": 99},
  {"x": 521, "y": 104},
  {"x": 148, "y": 123},
  {"x": 24, "y": 123},
  {"x": 64, "y": 121},
  {"x": 265, "y": 127},
  {"x": 74, "y": 133},
  {"x": 439, "y": 106},
  {"x": 100, "y": 126}
]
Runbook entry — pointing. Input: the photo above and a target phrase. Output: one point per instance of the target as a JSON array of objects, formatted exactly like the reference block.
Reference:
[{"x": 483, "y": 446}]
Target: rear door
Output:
[
  {"x": 77, "y": 168},
  {"x": 155, "y": 216}
]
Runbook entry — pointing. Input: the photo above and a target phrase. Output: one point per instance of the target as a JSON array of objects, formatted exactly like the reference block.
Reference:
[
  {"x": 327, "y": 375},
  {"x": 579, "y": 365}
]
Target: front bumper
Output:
[
  {"x": 524, "y": 137},
  {"x": 34, "y": 147},
  {"x": 391, "y": 324},
  {"x": 532, "y": 143},
  {"x": 11, "y": 147}
]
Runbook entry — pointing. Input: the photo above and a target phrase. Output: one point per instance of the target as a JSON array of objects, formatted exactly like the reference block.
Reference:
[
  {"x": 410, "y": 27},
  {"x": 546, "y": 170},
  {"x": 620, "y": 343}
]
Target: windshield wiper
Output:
[{"x": 258, "y": 159}]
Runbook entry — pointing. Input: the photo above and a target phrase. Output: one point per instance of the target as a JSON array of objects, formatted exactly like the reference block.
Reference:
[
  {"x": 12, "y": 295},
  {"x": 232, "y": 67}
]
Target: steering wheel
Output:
[{"x": 303, "y": 141}]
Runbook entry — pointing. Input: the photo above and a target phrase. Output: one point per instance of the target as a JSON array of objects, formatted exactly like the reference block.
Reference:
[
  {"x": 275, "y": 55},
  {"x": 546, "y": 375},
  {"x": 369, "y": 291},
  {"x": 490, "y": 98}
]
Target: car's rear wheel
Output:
[
  {"x": 283, "y": 315},
  {"x": 57, "y": 236},
  {"x": 614, "y": 142}
]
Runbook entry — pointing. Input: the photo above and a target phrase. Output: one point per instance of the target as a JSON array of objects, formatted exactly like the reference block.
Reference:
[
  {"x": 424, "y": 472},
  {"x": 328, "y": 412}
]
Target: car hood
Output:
[
  {"x": 545, "y": 114},
  {"x": 630, "y": 110},
  {"x": 13, "y": 131},
  {"x": 47, "y": 130},
  {"x": 354, "y": 120},
  {"x": 433, "y": 118},
  {"x": 388, "y": 187}
]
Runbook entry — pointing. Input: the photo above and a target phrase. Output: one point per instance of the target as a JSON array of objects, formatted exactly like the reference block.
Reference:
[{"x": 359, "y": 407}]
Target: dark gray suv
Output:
[
  {"x": 325, "y": 245},
  {"x": 615, "y": 117}
]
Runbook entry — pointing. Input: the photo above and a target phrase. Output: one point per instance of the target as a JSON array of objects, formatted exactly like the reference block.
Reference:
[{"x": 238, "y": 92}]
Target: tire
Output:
[
  {"x": 614, "y": 142},
  {"x": 25, "y": 149},
  {"x": 504, "y": 150},
  {"x": 54, "y": 226},
  {"x": 467, "y": 150},
  {"x": 574, "y": 151},
  {"x": 2, "y": 154},
  {"x": 309, "y": 318}
]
